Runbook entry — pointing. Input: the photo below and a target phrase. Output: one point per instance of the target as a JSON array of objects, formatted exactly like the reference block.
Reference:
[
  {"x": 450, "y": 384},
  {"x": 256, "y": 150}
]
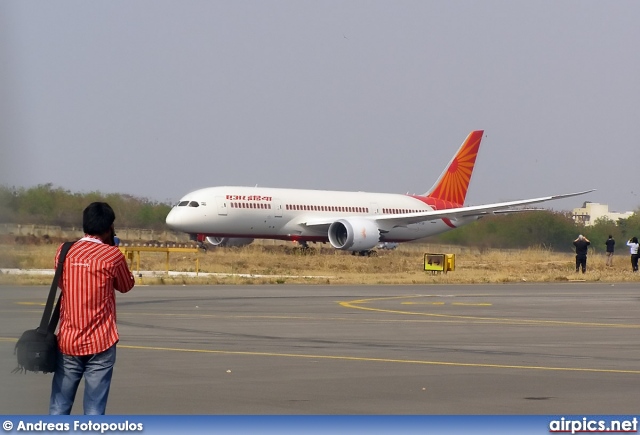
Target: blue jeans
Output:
[{"x": 97, "y": 370}]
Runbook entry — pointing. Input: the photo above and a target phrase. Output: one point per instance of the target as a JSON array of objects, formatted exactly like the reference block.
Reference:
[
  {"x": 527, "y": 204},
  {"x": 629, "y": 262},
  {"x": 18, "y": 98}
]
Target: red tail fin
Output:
[{"x": 453, "y": 183}]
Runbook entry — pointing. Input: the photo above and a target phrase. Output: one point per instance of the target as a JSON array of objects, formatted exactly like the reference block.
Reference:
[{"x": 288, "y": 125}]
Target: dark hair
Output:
[
  {"x": 634, "y": 239},
  {"x": 610, "y": 236},
  {"x": 97, "y": 218}
]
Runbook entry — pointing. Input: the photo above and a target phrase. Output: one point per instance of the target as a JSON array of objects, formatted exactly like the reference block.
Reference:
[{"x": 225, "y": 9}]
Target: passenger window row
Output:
[
  {"x": 399, "y": 211},
  {"x": 250, "y": 205},
  {"x": 327, "y": 208},
  {"x": 334, "y": 208}
]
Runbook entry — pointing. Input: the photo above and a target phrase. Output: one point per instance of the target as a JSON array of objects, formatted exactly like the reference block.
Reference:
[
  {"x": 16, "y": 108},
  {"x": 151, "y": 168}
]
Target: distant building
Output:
[{"x": 592, "y": 211}]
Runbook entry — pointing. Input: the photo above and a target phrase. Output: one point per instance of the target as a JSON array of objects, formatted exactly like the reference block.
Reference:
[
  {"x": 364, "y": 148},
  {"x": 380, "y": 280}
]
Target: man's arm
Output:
[{"x": 124, "y": 280}]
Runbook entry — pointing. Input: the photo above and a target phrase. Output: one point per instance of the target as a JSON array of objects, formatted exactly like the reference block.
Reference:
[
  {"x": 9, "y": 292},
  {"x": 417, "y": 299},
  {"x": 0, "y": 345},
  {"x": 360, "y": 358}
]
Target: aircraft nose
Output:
[{"x": 172, "y": 219}]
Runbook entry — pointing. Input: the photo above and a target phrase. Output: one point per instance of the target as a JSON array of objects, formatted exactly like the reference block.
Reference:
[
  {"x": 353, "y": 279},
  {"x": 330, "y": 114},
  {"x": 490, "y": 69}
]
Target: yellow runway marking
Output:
[
  {"x": 359, "y": 305},
  {"x": 31, "y": 303},
  {"x": 127, "y": 314},
  {"x": 365, "y": 359},
  {"x": 384, "y": 360}
]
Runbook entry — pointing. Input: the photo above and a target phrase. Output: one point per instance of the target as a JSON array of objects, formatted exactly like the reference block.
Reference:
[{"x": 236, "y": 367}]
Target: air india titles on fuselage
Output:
[{"x": 248, "y": 198}]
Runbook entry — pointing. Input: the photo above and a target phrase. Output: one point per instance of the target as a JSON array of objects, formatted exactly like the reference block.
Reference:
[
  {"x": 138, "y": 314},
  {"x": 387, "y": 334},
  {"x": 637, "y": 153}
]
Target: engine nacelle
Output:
[
  {"x": 354, "y": 234},
  {"x": 228, "y": 241}
]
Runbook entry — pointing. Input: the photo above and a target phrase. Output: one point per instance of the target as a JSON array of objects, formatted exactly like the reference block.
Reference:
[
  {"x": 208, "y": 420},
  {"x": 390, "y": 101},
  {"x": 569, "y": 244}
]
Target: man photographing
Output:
[
  {"x": 581, "y": 244},
  {"x": 87, "y": 335}
]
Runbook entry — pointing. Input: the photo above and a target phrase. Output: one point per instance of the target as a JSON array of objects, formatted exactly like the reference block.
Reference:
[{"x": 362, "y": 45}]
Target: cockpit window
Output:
[
  {"x": 194, "y": 204},
  {"x": 183, "y": 203}
]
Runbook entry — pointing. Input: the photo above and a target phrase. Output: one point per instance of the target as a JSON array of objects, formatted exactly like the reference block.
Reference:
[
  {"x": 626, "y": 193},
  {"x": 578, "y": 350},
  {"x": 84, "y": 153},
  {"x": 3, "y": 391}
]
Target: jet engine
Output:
[
  {"x": 228, "y": 241},
  {"x": 354, "y": 234}
]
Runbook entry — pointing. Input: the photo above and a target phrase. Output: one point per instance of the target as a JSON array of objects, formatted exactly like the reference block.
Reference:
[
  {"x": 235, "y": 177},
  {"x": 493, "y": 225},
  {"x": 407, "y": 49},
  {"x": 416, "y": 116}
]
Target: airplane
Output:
[{"x": 349, "y": 221}]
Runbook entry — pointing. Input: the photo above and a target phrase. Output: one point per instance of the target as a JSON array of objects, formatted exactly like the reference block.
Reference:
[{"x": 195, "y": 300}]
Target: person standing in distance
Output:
[
  {"x": 633, "y": 248},
  {"x": 87, "y": 334},
  {"x": 581, "y": 244},
  {"x": 610, "y": 244}
]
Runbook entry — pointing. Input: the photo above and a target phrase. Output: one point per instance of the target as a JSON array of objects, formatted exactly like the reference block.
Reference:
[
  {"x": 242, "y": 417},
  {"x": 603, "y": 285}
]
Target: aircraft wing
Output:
[{"x": 389, "y": 221}]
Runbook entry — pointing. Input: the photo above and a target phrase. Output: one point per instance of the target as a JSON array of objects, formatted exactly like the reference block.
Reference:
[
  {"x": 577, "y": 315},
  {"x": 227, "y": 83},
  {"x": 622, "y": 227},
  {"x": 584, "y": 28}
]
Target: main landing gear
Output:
[
  {"x": 304, "y": 249},
  {"x": 370, "y": 253}
]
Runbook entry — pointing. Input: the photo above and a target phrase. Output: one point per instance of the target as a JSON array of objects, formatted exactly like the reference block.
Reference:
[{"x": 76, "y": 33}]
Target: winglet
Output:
[{"x": 453, "y": 183}]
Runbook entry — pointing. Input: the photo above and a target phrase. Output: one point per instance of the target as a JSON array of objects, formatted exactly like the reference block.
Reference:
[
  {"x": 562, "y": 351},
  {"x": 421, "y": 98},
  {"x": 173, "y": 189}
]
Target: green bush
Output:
[
  {"x": 48, "y": 205},
  {"x": 544, "y": 229}
]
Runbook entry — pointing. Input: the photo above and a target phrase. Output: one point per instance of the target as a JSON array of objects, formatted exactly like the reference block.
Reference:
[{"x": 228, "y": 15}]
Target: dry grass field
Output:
[{"x": 278, "y": 263}]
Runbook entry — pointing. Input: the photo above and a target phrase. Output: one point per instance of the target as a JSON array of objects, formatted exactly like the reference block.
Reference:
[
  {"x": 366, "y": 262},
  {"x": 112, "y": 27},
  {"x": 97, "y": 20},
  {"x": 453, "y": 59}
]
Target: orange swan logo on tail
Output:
[{"x": 453, "y": 183}]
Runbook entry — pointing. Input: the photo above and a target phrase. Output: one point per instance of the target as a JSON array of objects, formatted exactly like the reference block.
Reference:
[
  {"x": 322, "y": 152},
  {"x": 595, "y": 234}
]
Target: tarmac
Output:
[{"x": 525, "y": 349}]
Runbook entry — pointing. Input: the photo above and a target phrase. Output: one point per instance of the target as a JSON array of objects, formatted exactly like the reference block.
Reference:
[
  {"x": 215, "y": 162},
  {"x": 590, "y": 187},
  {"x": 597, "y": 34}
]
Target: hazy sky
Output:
[{"x": 158, "y": 98}]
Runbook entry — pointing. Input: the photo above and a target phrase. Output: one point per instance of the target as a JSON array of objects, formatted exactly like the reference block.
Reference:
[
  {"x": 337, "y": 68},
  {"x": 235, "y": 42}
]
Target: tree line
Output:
[
  {"x": 542, "y": 229},
  {"x": 48, "y": 205}
]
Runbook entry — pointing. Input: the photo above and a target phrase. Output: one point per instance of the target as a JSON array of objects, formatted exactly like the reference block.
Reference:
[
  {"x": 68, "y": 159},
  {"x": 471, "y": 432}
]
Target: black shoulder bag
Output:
[{"x": 37, "y": 349}]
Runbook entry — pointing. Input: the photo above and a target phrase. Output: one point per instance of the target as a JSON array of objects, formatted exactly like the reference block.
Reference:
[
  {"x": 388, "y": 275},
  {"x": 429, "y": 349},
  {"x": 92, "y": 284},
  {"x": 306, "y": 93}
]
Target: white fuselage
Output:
[{"x": 272, "y": 213}]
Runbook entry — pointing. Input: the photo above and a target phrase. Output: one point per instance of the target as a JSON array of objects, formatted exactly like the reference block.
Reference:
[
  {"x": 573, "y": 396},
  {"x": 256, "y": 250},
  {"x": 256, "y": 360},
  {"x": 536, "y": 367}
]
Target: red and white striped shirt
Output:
[{"x": 92, "y": 271}]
